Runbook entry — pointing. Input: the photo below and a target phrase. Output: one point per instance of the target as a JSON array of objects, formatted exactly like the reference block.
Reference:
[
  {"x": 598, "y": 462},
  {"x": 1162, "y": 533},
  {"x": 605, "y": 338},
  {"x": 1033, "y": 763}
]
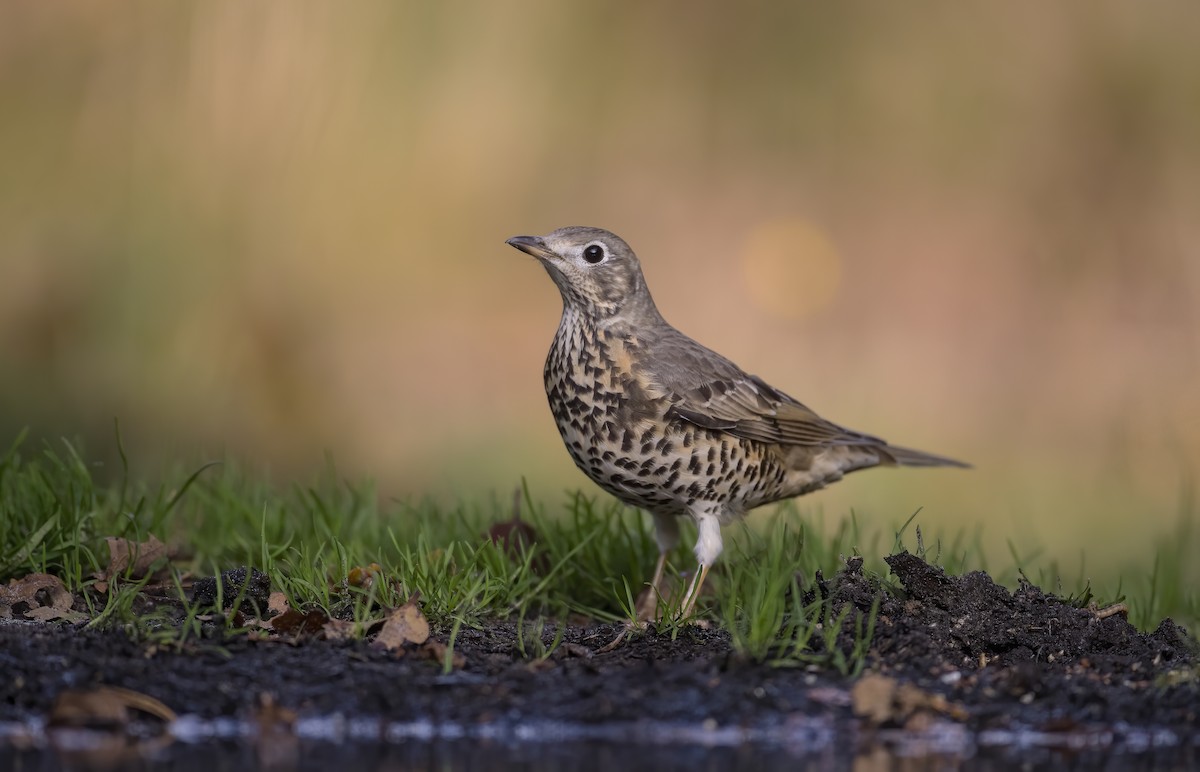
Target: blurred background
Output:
[{"x": 277, "y": 230}]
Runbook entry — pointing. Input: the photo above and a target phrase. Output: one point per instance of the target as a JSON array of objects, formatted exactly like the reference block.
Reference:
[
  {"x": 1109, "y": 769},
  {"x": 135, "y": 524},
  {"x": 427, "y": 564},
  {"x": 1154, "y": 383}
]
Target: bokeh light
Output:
[
  {"x": 277, "y": 230},
  {"x": 791, "y": 268}
]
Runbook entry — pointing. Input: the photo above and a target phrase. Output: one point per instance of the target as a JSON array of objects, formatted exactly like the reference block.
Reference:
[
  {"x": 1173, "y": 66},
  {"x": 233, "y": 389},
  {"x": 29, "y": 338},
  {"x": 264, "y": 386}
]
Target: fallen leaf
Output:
[
  {"x": 404, "y": 625},
  {"x": 44, "y": 595},
  {"x": 294, "y": 622},
  {"x": 138, "y": 558},
  {"x": 277, "y": 603},
  {"x": 339, "y": 630},
  {"x": 53, "y": 614},
  {"x": 437, "y": 652}
]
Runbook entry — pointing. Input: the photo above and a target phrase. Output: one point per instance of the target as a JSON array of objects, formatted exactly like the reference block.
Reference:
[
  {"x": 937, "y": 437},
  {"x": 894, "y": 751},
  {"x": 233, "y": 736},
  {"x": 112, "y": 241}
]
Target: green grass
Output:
[{"x": 590, "y": 558}]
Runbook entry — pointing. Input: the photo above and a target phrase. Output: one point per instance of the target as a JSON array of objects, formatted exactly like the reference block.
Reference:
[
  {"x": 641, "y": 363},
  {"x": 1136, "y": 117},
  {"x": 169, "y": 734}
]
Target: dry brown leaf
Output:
[
  {"x": 136, "y": 558},
  {"x": 53, "y": 614},
  {"x": 339, "y": 630},
  {"x": 26, "y": 588},
  {"x": 437, "y": 652},
  {"x": 293, "y": 622},
  {"x": 46, "y": 597},
  {"x": 277, "y": 605},
  {"x": 404, "y": 625}
]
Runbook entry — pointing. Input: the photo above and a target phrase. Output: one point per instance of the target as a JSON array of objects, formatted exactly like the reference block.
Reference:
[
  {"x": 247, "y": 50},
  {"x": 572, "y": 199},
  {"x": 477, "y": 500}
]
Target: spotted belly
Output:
[{"x": 668, "y": 466}]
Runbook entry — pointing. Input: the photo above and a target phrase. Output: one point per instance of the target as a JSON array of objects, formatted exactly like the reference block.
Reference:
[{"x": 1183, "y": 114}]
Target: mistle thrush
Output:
[{"x": 665, "y": 424}]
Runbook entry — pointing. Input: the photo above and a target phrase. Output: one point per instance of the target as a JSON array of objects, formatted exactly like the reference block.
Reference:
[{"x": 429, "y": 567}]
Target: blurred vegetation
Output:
[
  {"x": 320, "y": 543},
  {"x": 277, "y": 230}
]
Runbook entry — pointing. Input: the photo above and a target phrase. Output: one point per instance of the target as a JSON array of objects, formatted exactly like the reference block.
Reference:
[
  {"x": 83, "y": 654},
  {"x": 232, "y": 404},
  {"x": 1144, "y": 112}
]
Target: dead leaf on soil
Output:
[
  {"x": 339, "y": 630},
  {"x": 277, "y": 603},
  {"x": 880, "y": 699},
  {"x": 104, "y": 707},
  {"x": 294, "y": 622},
  {"x": 136, "y": 558},
  {"x": 404, "y": 625},
  {"x": 44, "y": 595},
  {"x": 437, "y": 652}
]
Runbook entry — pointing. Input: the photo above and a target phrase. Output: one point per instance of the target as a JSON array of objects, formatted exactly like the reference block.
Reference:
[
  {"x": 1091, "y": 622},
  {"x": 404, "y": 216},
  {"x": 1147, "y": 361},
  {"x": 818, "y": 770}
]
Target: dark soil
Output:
[{"x": 980, "y": 657}]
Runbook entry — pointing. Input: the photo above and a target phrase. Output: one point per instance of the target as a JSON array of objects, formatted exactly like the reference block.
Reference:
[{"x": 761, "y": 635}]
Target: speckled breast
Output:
[{"x": 619, "y": 433}]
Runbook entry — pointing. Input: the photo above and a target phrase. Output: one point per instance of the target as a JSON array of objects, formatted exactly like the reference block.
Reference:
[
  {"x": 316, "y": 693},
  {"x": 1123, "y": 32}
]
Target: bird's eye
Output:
[{"x": 594, "y": 253}]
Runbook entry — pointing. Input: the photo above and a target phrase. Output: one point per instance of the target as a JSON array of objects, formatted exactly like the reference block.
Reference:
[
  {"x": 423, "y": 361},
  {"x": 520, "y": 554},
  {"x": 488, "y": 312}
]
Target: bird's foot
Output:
[
  {"x": 646, "y": 608},
  {"x": 689, "y": 601}
]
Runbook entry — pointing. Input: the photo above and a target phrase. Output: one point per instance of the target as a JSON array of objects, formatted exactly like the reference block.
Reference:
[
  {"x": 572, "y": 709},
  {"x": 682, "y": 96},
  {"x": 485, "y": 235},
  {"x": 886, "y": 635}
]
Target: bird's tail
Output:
[{"x": 893, "y": 454}]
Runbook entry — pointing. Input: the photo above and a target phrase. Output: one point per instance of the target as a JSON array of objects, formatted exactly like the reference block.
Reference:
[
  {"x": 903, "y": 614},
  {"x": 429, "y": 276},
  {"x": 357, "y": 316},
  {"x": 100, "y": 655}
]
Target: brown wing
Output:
[
  {"x": 748, "y": 407},
  {"x": 708, "y": 390}
]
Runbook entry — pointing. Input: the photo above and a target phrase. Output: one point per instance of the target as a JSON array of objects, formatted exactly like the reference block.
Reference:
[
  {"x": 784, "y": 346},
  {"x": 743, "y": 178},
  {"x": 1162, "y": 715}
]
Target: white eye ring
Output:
[{"x": 595, "y": 253}]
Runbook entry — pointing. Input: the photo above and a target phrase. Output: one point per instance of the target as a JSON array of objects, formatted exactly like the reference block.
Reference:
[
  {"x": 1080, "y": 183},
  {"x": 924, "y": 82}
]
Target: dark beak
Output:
[{"x": 531, "y": 245}]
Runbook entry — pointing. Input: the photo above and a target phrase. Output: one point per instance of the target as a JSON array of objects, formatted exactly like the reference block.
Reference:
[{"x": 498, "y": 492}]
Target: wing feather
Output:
[
  {"x": 711, "y": 392},
  {"x": 748, "y": 407}
]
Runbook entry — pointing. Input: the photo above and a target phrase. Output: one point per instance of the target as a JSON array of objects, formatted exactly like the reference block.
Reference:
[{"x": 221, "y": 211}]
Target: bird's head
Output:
[{"x": 596, "y": 272}]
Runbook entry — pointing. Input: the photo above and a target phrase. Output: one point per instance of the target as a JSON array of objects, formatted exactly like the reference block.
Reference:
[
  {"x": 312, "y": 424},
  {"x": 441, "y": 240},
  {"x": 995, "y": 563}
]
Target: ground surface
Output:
[{"x": 957, "y": 650}]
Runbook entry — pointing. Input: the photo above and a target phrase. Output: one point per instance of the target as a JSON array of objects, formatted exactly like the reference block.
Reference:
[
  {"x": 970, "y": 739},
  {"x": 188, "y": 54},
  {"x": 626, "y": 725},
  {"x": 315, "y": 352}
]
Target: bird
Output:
[{"x": 669, "y": 426}]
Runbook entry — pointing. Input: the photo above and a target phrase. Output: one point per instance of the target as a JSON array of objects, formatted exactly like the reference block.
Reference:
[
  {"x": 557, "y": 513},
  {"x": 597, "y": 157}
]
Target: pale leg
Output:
[
  {"x": 708, "y": 546},
  {"x": 666, "y": 534},
  {"x": 693, "y": 592}
]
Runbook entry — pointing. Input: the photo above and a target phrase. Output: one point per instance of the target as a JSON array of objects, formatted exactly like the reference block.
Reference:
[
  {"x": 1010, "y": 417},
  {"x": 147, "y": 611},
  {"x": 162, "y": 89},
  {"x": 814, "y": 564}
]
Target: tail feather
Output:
[{"x": 894, "y": 454}]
